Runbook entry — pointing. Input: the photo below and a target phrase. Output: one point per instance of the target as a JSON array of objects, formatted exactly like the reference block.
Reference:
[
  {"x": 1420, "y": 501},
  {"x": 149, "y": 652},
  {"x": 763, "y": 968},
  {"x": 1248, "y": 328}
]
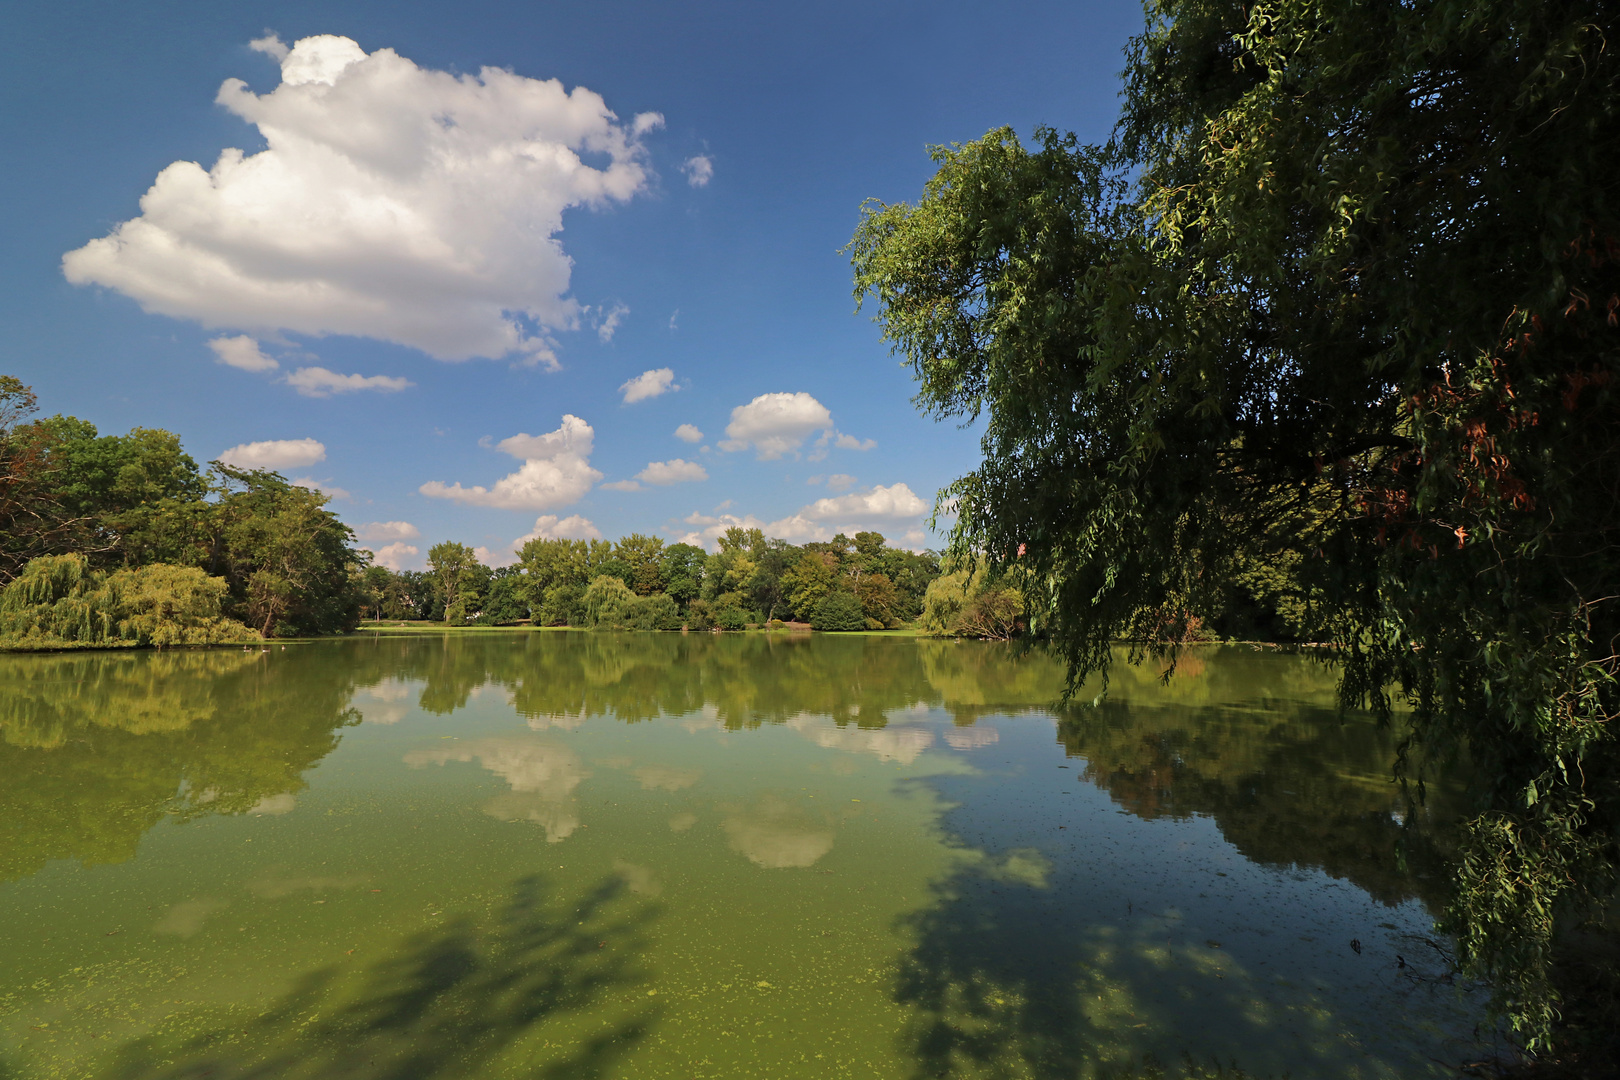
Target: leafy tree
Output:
[
  {"x": 838, "y": 610},
  {"x": 811, "y": 578},
  {"x": 564, "y": 605},
  {"x": 879, "y": 601},
  {"x": 643, "y": 558},
  {"x": 1359, "y": 266},
  {"x": 731, "y": 618},
  {"x": 506, "y": 599},
  {"x": 452, "y": 566},
  {"x": 547, "y": 564},
  {"x": 59, "y": 602},
  {"x": 287, "y": 558},
  {"x": 607, "y": 601},
  {"x": 375, "y": 582},
  {"x": 683, "y": 572}
]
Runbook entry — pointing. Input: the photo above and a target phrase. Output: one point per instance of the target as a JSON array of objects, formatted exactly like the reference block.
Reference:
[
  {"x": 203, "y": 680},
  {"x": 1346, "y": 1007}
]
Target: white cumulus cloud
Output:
[
  {"x": 877, "y": 503},
  {"x": 649, "y": 384},
  {"x": 395, "y": 556},
  {"x": 275, "y": 454},
  {"x": 775, "y": 424},
  {"x": 689, "y": 433},
  {"x": 242, "y": 352},
  {"x": 850, "y": 442},
  {"x": 676, "y": 471},
  {"x": 699, "y": 170},
  {"x": 391, "y": 201},
  {"x": 317, "y": 382},
  {"x": 387, "y": 530},
  {"x": 549, "y": 527},
  {"x": 556, "y": 471}
]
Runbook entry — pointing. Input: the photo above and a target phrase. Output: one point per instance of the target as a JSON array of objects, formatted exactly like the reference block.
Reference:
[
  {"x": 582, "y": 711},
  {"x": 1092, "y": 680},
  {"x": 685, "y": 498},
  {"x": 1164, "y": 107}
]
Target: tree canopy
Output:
[{"x": 1332, "y": 319}]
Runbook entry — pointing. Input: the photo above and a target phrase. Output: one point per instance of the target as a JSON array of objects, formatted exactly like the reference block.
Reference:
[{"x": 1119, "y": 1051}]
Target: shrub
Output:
[
  {"x": 655, "y": 612},
  {"x": 731, "y": 618},
  {"x": 838, "y": 611},
  {"x": 699, "y": 616}
]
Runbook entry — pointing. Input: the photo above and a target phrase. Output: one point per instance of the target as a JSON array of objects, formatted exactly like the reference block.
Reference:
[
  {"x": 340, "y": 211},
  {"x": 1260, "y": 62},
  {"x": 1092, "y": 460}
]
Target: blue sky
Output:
[{"x": 443, "y": 257}]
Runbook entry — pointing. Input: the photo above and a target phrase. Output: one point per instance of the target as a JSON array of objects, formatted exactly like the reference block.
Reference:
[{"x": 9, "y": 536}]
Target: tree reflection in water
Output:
[{"x": 1010, "y": 973}]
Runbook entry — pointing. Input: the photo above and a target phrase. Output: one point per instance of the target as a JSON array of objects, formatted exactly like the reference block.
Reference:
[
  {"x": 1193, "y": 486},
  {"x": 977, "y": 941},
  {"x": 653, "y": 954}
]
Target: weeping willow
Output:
[{"x": 58, "y": 602}]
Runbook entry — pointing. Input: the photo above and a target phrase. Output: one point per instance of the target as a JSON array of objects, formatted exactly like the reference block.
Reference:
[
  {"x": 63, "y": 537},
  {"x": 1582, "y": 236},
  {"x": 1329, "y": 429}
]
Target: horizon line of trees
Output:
[{"x": 640, "y": 582}]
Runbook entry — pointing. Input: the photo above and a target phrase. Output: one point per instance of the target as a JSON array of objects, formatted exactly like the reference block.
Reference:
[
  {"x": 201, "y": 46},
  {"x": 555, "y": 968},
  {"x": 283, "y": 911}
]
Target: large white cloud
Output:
[
  {"x": 775, "y": 424},
  {"x": 392, "y": 202},
  {"x": 556, "y": 471},
  {"x": 275, "y": 454}
]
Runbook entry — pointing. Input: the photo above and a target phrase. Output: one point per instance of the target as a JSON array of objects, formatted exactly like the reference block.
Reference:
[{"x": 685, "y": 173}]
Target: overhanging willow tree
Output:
[{"x": 1342, "y": 291}]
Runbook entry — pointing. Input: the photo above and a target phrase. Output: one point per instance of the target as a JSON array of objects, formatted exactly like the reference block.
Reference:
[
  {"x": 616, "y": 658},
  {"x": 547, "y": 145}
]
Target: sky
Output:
[{"x": 489, "y": 270}]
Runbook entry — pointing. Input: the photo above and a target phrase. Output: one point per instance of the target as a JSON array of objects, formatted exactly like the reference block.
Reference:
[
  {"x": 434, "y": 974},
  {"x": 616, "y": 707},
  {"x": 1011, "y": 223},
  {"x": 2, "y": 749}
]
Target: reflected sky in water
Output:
[{"x": 673, "y": 855}]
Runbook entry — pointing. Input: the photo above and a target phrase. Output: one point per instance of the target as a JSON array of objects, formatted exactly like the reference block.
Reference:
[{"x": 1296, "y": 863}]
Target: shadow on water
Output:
[
  {"x": 1035, "y": 960},
  {"x": 534, "y": 993}
]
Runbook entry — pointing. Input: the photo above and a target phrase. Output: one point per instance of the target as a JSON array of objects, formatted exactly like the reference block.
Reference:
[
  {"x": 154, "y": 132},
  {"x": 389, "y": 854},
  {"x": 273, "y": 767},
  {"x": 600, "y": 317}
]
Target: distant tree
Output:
[
  {"x": 811, "y": 578},
  {"x": 452, "y": 566},
  {"x": 607, "y": 601},
  {"x": 683, "y": 572},
  {"x": 643, "y": 557},
  {"x": 506, "y": 599},
  {"x": 880, "y": 601},
  {"x": 838, "y": 611}
]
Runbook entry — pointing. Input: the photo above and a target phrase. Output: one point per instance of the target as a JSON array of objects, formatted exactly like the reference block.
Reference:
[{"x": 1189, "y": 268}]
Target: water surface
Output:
[{"x": 572, "y": 854}]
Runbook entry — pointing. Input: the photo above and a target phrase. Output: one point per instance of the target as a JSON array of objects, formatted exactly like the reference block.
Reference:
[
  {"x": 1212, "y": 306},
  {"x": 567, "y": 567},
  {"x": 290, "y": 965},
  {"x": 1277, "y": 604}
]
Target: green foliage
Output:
[
  {"x": 287, "y": 558},
  {"x": 643, "y": 559},
  {"x": 656, "y": 612},
  {"x": 731, "y": 618},
  {"x": 607, "y": 602},
  {"x": 58, "y": 602},
  {"x": 506, "y": 598},
  {"x": 838, "y": 611},
  {"x": 564, "y": 605},
  {"x": 456, "y": 570},
  {"x": 1333, "y": 324}
]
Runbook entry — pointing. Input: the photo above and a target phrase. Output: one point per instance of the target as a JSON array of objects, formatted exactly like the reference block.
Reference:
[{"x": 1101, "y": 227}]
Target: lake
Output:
[{"x": 556, "y": 854}]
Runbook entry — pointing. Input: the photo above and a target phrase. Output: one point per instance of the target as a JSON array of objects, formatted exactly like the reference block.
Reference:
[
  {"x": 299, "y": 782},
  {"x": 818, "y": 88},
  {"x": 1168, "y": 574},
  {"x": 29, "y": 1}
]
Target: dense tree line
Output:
[
  {"x": 124, "y": 539},
  {"x": 640, "y": 582}
]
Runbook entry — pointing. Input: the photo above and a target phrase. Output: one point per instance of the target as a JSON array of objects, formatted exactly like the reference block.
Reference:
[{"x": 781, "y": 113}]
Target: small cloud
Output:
[
  {"x": 387, "y": 530},
  {"x": 649, "y": 384},
  {"x": 814, "y": 480},
  {"x": 607, "y": 323},
  {"x": 850, "y": 442},
  {"x": 699, "y": 170},
  {"x": 548, "y": 527},
  {"x": 677, "y": 471},
  {"x": 840, "y": 482},
  {"x": 241, "y": 352},
  {"x": 395, "y": 556},
  {"x": 688, "y": 433},
  {"x": 325, "y": 487},
  {"x": 317, "y": 382},
  {"x": 775, "y": 424},
  {"x": 556, "y": 471},
  {"x": 621, "y": 485},
  {"x": 674, "y": 315},
  {"x": 271, "y": 45},
  {"x": 275, "y": 454}
]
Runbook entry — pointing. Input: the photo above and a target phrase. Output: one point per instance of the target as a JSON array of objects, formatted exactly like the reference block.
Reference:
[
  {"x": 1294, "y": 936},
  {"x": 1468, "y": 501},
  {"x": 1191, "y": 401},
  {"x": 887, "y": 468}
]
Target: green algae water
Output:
[{"x": 582, "y": 855}]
